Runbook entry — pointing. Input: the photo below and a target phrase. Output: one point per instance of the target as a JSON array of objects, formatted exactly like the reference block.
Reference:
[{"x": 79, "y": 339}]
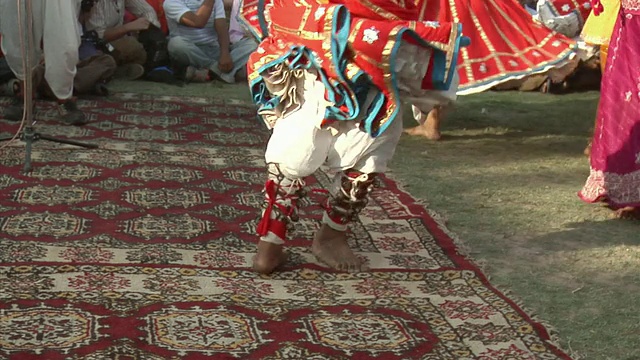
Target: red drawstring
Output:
[{"x": 271, "y": 191}]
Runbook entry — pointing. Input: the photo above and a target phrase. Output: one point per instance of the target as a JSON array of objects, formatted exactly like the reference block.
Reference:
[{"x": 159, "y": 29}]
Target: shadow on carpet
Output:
[{"x": 142, "y": 250}]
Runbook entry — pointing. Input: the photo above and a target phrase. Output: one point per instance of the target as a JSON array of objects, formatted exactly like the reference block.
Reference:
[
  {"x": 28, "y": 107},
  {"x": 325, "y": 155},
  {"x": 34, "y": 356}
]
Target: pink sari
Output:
[{"x": 615, "y": 153}]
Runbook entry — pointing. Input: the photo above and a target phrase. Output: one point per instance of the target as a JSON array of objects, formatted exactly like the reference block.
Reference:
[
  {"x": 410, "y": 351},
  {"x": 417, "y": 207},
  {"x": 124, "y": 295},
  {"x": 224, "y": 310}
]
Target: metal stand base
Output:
[{"x": 29, "y": 136}]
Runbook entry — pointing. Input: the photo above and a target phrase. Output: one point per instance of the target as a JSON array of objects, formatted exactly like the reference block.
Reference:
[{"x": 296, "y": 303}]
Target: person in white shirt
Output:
[
  {"x": 55, "y": 27},
  {"x": 199, "y": 38},
  {"x": 107, "y": 19}
]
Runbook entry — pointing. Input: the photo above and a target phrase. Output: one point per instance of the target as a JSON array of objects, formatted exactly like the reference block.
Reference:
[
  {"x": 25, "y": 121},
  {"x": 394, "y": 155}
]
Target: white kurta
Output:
[{"x": 55, "y": 26}]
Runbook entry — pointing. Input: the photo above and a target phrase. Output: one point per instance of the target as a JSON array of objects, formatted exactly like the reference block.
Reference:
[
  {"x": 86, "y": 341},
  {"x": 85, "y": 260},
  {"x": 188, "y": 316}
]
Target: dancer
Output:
[
  {"x": 507, "y": 45},
  {"x": 332, "y": 94},
  {"x": 597, "y": 31},
  {"x": 615, "y": 153},
  {"x": 55, "y": 25}
]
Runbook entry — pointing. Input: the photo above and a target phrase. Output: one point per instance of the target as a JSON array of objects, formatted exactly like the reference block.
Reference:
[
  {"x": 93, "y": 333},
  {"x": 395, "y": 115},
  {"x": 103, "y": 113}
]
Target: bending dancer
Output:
[
  {"x": 332, "y": 95},
  {"x": 55, "y": 25},
  {"x": 507, "y": 44},
  {"x": 615, "y": 153}
]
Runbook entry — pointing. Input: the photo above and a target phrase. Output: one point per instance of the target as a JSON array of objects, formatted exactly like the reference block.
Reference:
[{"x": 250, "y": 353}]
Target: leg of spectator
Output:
[
  {"x": 128, "y": 50},
  {"x": 12, "y": 44},
  {"x": 60, "y": 41},
  {"x": 240, "y": 52},
  {"x": 5, "y": 71},
  {"x": 184, "y": 53},
  {"x": 93, "y": 71}
]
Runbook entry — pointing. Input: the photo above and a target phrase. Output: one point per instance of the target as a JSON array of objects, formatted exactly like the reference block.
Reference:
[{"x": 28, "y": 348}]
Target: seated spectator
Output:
[
  {"x": 56, "y": 36},
  {"x": 9, "y": 85},
  {"x": 199, "y": 40},
  {"x": 107, "y": 19},
  {"x": 157, "y": 6},
  {"x": 238, "y": 36},
  {"x": 95, "y": 68}
]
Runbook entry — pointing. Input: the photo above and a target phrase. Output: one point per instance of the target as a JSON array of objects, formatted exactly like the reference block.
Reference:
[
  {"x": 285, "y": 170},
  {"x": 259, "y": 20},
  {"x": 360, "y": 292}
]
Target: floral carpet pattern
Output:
[{"x": 141, "y": 249}]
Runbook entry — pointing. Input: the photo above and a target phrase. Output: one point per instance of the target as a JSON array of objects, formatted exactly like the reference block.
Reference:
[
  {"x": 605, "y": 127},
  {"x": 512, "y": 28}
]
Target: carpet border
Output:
[{"x": 436, "y": 225}]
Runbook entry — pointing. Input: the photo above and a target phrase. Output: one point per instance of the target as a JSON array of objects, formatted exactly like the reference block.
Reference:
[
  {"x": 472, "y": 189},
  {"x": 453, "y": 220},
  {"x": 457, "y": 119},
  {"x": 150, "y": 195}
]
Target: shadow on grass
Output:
[
  {"x": 506, "y": 178},
  {"x": 586, "y": 278}
]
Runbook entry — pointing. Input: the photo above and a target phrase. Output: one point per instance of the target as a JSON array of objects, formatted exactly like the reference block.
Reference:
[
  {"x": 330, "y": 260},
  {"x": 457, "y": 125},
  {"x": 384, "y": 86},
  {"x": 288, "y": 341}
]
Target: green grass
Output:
[{"x": 505, "y": 176}]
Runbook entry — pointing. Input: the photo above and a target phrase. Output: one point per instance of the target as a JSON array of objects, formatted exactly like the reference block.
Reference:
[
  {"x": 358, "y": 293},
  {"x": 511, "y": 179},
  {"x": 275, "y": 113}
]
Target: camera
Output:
[{"x": 100, "y": 44}]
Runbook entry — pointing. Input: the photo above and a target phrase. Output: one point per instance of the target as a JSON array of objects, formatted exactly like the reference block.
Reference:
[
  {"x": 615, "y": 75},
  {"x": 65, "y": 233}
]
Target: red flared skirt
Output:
[{"x": 506, "y": 43}]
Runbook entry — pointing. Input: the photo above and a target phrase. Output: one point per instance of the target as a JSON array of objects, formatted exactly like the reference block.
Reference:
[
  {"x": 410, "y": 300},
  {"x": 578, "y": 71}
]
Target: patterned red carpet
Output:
[{"x": 141, "y": 250}]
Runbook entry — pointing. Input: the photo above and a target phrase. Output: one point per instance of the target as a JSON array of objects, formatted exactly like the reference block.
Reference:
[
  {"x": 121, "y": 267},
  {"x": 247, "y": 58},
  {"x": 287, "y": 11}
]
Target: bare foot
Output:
[
  {"x": 422, "y": 130},
  {"x": 269, "y": 257},
  {"x": 587, "y": 150},
  {"x": 431, "y": 126},
  {"x": 628, "y": 212},
  {"x": 331, "y": 247}
]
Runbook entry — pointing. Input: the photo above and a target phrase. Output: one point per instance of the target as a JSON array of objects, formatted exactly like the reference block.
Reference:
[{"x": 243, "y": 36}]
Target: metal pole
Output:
[{"x": 27, "y": 53}]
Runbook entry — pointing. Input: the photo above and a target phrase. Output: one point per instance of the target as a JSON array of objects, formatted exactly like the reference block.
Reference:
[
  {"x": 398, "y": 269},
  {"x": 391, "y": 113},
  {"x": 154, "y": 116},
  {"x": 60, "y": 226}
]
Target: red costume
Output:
[
  {"x": 329, "y": 78},
  {"x": 355, "y": 43},
  {"x": 506, "y": 42}
]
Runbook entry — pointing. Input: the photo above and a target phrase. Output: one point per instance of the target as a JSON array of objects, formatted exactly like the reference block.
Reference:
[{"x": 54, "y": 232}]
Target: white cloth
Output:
[
  {"x": 421, "y": 105},
  {"x": 108, "y": 14},
  {"x": 301, "y": 147},
  {"x": 175, "y": 9},
  {"x": 568, "y": 25},
  {"x": 55, "y": 24},
  {"x": 411, "y": 65}
]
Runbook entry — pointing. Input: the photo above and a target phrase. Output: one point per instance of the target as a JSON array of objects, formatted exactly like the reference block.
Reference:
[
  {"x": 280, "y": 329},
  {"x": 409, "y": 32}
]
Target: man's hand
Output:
[
  {"x": 199, "y": 18},
  {"x": 225, "y": 64},
  {"x": 138, "y": 24}
]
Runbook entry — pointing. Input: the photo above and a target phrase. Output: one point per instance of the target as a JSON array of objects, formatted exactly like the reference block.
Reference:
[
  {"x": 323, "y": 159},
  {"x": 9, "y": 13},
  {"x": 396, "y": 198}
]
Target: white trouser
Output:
[
  {"x": 55, "y": 24},
  {"x": 301, "y": 147}
]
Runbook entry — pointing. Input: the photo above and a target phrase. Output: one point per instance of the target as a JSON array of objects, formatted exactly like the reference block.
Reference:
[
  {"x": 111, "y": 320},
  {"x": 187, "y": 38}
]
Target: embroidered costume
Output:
[
  {"x": 566, "y": 17},
  {"x": 615, "y": 153},
  {"x": 507, "y": 43},
  {"x": 330, "y": 78}
]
